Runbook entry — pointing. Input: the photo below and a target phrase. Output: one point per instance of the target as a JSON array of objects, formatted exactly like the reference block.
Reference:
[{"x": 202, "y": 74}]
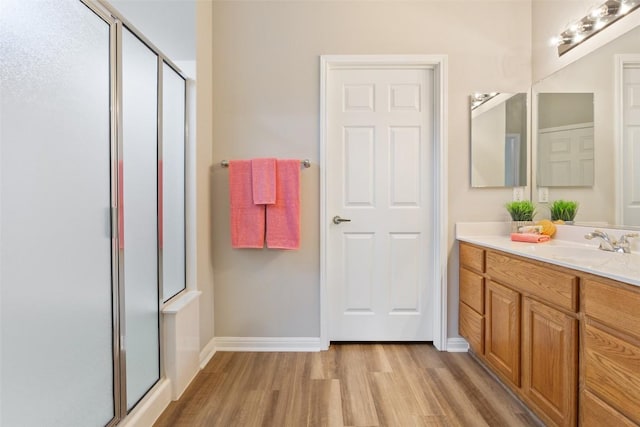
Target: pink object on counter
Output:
[
  {"x": 529, "y": 237},
  {"x": 247, "y": 218},
  {"x": 263, "y": 180},
  {"x": 283, "y": 218}
]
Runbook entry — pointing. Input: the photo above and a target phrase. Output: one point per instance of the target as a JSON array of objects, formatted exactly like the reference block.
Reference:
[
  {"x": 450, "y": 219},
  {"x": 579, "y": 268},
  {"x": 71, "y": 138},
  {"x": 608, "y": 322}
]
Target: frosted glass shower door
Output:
[
  {"x": 139, "y": 240},
  {"x": 56, "y": 324},
  {"x": 173, "y": 218}
]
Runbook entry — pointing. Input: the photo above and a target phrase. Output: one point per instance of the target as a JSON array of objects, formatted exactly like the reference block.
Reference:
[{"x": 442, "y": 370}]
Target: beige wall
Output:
[
  {"x": 204, "y": 136},
  {"x": 266, "y": 103}
]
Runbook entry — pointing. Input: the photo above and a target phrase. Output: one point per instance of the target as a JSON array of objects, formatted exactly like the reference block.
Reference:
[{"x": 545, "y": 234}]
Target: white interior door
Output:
[
  {"x": 567, "y": 155},
  {"x": 380, "y": 178},
  {"x": 631, "y": 146}
]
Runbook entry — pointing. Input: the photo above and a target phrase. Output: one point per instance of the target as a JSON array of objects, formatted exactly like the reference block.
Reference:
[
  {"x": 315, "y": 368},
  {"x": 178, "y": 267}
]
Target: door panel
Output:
[
  {"x": 380, "y": 151},
  {"x": 56, "y": 362},
  {"x": 631, "y": 146},
  {"x": 140, "y": 242}
]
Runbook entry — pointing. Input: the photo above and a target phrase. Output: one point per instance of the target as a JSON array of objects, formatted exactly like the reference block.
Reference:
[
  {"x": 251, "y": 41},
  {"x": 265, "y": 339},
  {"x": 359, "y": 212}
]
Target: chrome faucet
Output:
[{"x": 612, "y": 245}]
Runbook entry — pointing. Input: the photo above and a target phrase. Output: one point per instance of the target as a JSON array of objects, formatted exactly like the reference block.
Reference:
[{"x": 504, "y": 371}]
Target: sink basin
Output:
[{"x": 585, "y": 256}]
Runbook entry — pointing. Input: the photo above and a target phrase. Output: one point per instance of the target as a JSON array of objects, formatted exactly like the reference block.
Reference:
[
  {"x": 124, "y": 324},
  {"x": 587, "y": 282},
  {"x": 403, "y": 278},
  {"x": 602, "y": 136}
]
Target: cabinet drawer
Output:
[
  {"x": 595, "y": 413},
  {"x": 472, "y": 290},
  {"x": 612, "y": 370},
  {"x": 472, "y": 257},
  {"x": 550, "y": 285},
  {"x": 614, "y": 305},
  {"x": 471, "y": 326}
]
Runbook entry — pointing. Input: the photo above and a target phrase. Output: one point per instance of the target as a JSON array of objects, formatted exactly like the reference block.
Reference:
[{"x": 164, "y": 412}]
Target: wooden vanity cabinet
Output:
[
  {"x": 471, "y": 307},
  {"x": 610, "y": 353},
  {"x": 531, "y": 332}
]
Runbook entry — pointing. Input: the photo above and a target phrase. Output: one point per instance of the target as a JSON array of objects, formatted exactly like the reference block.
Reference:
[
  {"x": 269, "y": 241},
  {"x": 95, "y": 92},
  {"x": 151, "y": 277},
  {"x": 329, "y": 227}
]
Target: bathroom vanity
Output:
[{"x": 558, "y": 323}]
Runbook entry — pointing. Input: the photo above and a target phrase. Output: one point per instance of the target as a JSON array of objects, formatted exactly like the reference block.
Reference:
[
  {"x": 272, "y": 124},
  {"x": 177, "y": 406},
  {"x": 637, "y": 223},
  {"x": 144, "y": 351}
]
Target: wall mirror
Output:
[
  {"x": 565, "y": 139},
  {"x": 498, "y": 139},
  {"x": 608, "y": 79}
]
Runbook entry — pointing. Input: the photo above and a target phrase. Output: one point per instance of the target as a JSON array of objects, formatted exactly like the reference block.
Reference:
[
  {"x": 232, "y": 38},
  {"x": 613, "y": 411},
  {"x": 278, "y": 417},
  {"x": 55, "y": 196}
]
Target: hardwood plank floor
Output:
[{"x": 350, "y": 385}]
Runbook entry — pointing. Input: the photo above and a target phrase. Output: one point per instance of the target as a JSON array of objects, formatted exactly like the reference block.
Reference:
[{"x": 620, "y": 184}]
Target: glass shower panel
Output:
[
  {"x": 139, "y": 239},
  {"x": 56, "y": 325},
  {"x": 173, "y": 141}
]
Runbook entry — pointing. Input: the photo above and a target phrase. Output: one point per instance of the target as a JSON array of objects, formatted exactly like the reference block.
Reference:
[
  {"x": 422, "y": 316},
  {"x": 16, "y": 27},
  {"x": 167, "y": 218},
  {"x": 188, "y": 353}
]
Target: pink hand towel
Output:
[
  {"x": 247, "y": 218},
  {"x": 283, "y": 218},
  {"x": 529, "y": 237},
  {"x": 263, "y": 179}
]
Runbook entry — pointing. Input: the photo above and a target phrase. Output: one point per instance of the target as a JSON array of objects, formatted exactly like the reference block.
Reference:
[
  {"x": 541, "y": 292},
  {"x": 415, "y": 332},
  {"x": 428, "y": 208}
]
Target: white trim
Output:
[
  {"x": 563, "y": 128},
  {"x": 207, "y": 353},
  {"x": 621, "y": 61},
  {"x": 279, "y": 344},
  {"x": 191, "y": 235},
  {"x": 457, "y": 345},
  {"x": 151, "y": 407},
  {"x": 438, "y": 63}
]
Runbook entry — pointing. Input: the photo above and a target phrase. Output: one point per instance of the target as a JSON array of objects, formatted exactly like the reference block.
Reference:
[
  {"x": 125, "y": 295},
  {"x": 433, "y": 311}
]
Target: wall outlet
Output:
[
  {"x": 518, "y": 194},
  {"x": 543, "y": 195}
]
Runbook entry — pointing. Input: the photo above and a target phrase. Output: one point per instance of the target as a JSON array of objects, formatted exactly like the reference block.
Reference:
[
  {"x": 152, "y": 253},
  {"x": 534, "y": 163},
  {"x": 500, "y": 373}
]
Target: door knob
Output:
[{"x": 338, "y": 220}]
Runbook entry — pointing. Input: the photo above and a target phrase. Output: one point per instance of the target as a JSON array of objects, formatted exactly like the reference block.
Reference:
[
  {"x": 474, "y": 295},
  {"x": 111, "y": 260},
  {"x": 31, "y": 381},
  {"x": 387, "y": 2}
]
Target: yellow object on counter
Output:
[{"x": 548, "y": 228}]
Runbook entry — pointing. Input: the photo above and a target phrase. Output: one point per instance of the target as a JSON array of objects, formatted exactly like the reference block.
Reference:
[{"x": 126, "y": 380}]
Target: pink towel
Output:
[
  {"x": 247, "y": 218},
  {"x": 283, "y": 218},
  {"x": 263, "y": 179},
  {"x": 529, "y": 237}
]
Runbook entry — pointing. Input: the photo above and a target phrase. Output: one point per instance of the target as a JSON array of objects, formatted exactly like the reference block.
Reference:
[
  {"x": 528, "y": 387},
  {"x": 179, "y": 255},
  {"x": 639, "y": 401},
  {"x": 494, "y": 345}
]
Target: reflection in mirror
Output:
[
  {"x": 608, "y": 73},
  {"x": 499, "y": 140},
  {"x": 565, "y": 139}
]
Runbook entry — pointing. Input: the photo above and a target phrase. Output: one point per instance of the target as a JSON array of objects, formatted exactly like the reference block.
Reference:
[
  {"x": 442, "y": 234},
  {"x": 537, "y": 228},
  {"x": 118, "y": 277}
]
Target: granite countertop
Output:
[{"x": 563, "y": 252}]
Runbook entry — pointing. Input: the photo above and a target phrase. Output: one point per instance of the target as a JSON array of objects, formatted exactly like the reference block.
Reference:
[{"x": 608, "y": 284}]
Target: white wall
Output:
[
  {"x": 266, "y": 103},
  {"x": 169, "y": 24}
]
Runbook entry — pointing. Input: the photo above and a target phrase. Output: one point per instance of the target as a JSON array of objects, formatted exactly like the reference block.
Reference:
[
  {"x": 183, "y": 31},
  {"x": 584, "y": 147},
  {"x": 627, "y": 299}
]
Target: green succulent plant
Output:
[
  {"x": 522, "y": 210},
  {"x": 564, "y": 210}
]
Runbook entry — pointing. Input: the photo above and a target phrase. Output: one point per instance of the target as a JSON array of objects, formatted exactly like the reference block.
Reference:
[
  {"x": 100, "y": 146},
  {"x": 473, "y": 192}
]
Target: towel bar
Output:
[{"x": 306, "y": 163}]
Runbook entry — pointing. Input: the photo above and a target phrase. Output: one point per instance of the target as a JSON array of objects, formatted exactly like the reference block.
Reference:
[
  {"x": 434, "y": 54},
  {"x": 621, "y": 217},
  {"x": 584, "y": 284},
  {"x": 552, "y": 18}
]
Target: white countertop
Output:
[{"x": 564, "y": 250}]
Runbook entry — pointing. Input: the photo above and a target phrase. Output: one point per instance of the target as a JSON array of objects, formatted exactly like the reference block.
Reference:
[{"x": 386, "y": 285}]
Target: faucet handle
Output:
[
  {"x": 625, "y": 237},
  {"x": 624, "y": 244}
]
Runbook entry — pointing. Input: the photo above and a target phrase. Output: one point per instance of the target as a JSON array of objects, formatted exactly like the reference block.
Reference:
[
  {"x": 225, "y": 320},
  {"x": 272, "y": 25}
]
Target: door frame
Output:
[
  {"x": 621, "y": 60},
  {"x": 437, "y": 63}
]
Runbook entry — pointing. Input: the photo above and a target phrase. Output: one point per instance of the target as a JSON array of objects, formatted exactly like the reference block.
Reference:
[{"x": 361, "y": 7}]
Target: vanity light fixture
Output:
[
  {"x": 599, "y": 18},
  {"x": 477, "y": 99}
]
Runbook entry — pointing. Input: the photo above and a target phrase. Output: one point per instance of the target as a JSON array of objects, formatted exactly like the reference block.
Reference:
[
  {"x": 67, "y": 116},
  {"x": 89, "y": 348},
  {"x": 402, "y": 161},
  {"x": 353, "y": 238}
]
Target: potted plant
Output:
[
  {"x": 563, "y": 210},
  {"x": 522, "y": 212}
]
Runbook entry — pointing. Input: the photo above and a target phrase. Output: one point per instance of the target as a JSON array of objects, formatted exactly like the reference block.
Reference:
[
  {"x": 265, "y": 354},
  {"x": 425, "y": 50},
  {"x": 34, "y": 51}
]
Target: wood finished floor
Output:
[{"x": 349, "y": 385}]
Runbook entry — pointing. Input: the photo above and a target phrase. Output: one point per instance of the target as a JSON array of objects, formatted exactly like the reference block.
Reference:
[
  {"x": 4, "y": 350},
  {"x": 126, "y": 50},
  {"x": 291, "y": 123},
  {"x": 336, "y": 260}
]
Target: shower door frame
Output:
[{"x": 116, "y": 23}]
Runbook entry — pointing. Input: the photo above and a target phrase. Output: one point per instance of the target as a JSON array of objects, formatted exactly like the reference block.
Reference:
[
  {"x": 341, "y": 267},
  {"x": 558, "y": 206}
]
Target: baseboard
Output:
[
  {"x": 151, "y": 407},
  {"x": 207, "y": 353},
  {"x": 457, "y": 345},
  {"x": 302, "y": 344}
]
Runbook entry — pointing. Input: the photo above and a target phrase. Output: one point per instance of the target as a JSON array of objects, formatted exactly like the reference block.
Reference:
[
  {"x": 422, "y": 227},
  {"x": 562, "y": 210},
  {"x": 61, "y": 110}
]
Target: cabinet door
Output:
[
  {"x": 502, "y": 331},
  {"x": 611, "y": 369},
  {"x": 596, "y": 413},
  {"x": 549, "y": 361}
]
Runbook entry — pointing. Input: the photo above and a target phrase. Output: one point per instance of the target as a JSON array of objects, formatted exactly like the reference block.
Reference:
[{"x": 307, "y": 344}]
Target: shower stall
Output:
[{"x": 92, "y": 211}]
